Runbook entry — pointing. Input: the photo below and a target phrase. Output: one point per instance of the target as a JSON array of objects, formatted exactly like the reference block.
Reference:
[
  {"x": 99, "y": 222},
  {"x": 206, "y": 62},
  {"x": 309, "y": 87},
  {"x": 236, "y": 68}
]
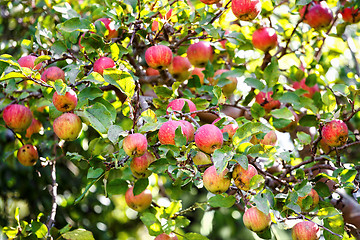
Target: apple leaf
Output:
[
  {"x": 195, "y": 236},
  {"x": 74, "y": 24},
  {"x": 257, "y": 111},
  {"x": 140, "y": 185},
  {"x": 116, "y": 186},
  {"x": 94, "y": 173},
  {"x": 221, "y": 157},
  {"x": 99, "y": 117},
  {"x": 152, "y": 223},
  {"x": 335, "y": 224},
  {"x": 272, "y": 73},
  {"x": 78, "y": 234},
  {"x": 222, "y": 201},
  {"x": 284, "y": 113},
  {"x": 249, "y": 129},
  {"x": 90, "y": 93},
  {"x": 180, "y": 139},
  {"x": 242, "y": 160},
  {"x": 255, "y": 83}
]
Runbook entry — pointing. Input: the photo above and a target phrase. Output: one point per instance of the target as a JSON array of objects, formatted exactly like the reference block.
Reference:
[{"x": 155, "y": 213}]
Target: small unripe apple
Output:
[
  {"x": 198, "y": 72},
  {"x": 201, "y": 158},
  {"x": 139, "y": 165},
  {"x": 255, "y": 220},
  {"x": 335, "y": 133},
  {"x": 214, "y": 182},
  {"x": 266, "y": 101},
  {"x": 67, "y": 126},
  {"x": 180, "y": 68},
  {"x": 209, "y": 2},
  {"x": 246, "y": 10},
  {"x": 200, "y": 53},
  {"x": 190, "y": 132},
  {"x": 208, "y": 138},
  {"x": 152, "y": 72},
  {"x": 242, "y": 177},
  {"x": 229, "y": 128},
  {"x": 351, "y": 15},
  {"x": 264, "y": 39},
  {"x": 302, "y": 85},
  {"x": 139, "y": 202},
  {"x": 315, "y": 198},
  {"x": 103, "y": 63},
  {"x": 158, "y": 57},
  {"x": 229, "y": 88},
  {"x": 305, "y": 231},
  {"x": 164, "y": 236},
  {"x": 34, "y": 127},
  {"x": 135, "y": 145},
  {"x": 110, "y": 26},
  {"x": 269, "y": 139},
  {"x": 52, "y": 74},
  {"x": 318, "y": 15},
  {"x": 28, "y": 155},
  {"x": 28, "y": 61},
  {"x": 66, "y": 102},
  {"x": 167, "y": 131},
  {"x": 178, "y": 104},
  {"x": 17, "y": 117}
]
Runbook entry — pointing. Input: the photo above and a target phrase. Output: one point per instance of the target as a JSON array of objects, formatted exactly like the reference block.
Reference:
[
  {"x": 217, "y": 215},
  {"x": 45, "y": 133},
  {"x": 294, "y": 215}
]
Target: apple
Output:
[
  {"x": 264, "y": 39},
  {"x": 209, "y": 2},
  {"x": 167, "y": 131},
  {"x": 229, "y": 88},
  {"x": 317, "y": 15},
  {"x": 335, "y": 133},
  {"x": 351, "y": 15},
  {"x": 28, "y": 155},
  {"x": 198, "y": 72},
  {"x": 229, "y": 128},
  {"x": 52, "y": 74},
  {"x": 103, "y": 63},
  {"x": 178, "y": 104},
  {"x": 255, "y": 220},
  {"x": 34, "y": 127},
  {"x": 139, "y": 165},
  {"x": 164, "y": 236},
  {"x": 208, "y": 138},
  {"x": 110, "y": 26},
  {"x": 302, "y": 85},
  {"x": 139, "y": 202},
  {"x": 201, "y": 158},
  {"x": 246, "y": 10},
  {"x": 190, "y": 132},
  {"x": 214, "y": 182},
  {"x": 315, "y": 197},
  {"x": 242, "y": 177},
  {"x": 135, "y": 145},
  {"x": 152, "y": 72},
  {"x": 67, "y": 126},
  {"x": 28, "y": 61},
  {"x": 305, "y": 231},
  {"x": 158, "y": 57},
  {"x": 266, "y": 101},
  {"x": 200, "y": 53},
  {"x": 292, "y": 125},
  {"x": 180, "y": 68},
  {"x": 17, "y": 117},
  {"x": 269, "y": 139},
  {"x": 66, "y": 102}
]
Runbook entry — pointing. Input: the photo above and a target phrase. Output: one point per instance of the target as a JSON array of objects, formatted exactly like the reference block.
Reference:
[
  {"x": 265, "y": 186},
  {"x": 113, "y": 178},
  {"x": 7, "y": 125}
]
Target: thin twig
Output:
[{"x": 53, "y": 193}]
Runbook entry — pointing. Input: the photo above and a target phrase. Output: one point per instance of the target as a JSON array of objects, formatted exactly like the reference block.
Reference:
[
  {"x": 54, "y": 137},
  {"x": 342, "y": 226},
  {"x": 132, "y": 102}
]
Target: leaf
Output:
[
  {"x": 329, "y": 100},
  {"x": 322, "y": 189},
  {"x": 180, "y": 139},
  {"x": 255, "y": 83},
  {"x": 222, "y": 201},
  {"x": 115, "y": 132},
  {"x": 39, "y": 229},
  {"x": 90, "y": 93},
  {"x": 85, "y": 191},
  {"x": 99, "y": 117},
  {"x": 140, "y": 186},
  {"x": 335, "y": 224},
  {"x": 262, "y": 203},
  {"x": 272, "y": 73},
  {"x": 74, "y": 24},
  {"x": 303, "y": 2},
  {"x": 173, "y": 208},
  {"x": 257, "y": 111},
  {"x": 94, "y": 173},
  {"x": 116, "y": 186},
  {"x": 195, "y": 236},
  {"x": 284, "y": 113},
  {"x": 12, "y": 75},
  {"x": 308, "y": 121},
  {"x": 327, "y": 212},
  {"x": 151, "y": 222},
  {"x": 257, "y": 182},
  {"x": 348, "y": 175},
  {"x": 304, "y": 138},
  {"x": 59, "y": 86},
  {"x": 249, "y": 129},
  {"x": 120, "y": 79},
  {"x": 221, "y": 157},
  {"x": 242, "y": 160},
  {"x": 78, "y": 234},
  {"x": 163, "y": 92},
  {"x": 10, "y": 232},
  {"x": 41, "y": 59}
]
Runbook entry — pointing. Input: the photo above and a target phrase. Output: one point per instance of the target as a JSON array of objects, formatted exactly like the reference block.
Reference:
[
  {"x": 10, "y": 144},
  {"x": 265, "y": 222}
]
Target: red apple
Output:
[
  {"x": 335, "y": 133},
  {"x": 152, "y": 72},
  {"x": 139, "y": 202},
  {"x": 178, "y": 104},
  {"x": 34, "y": 127},
  {"x": 318, "y": 15},
  {"x": 167, "y": 132},
  {"x": 28, "y": 155},
  {"x": 139, "y": 165},
  {"x": 52, "y": 74},
  {"x": 229, "y": 128},
  {"x": 164, "y": 236},
  {"x": 200, "y": 53},
  {"x": 110, "y": 26},
  {"x": 266, "y": 101},
  {"x": 17, "y": 117},
  {"x": 209, "y": 2},
  {"x": 305, "y": 231},
  {"x": 158, "y": 57},
  {"x": 28, "y": 61},
  {"x": 246, "y": 10},
  {"x": 190, "y": 132},
  {"x": 135, "y": 145},
  {"x": 242, "y": 177},
  {"x": 264, "y": 39},
  {"x": 351, "y": 15},
  {"x": 229, "y": 88},
  {"x": 201, "y": 158},
  {"x": 255, "y": 220},
  {"x": 269, "y": 139},
  {"x": 214, "y": 182},
  {"x": 208, "y": 138},
  {"x": 302, "y": 85},
  {"x": 66, "y": 102},
  {"x": 180, "y": 68},
  {"x": 103, "y": 63},
  {"x": 315, "y": 197},
  {"x": 67, "y": 126}
]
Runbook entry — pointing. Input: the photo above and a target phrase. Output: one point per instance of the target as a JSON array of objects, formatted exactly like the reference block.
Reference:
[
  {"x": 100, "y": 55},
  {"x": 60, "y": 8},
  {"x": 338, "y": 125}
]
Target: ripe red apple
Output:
[
  {"x": 229, "y": 88},
  {"x": 351, "y": 15},
  {"x": 167, "y": 132},
  {"x": 208, "y": 138},
  {"x": 28, "y": 61},
  {"x": 190, "y": 132},
  {"x": 52, "y": 74},
  {"x": 229, "y": 128},
  {"x": 335, "y": 133},
  {"x": 242, "y": 177},
  {"x": 200, "y": 53},
  {"x": 201, "y": 158},
  {"x": 103, "y": 63},
  {"x": 255, "y": 220},
  {"x": 158, "y": 57},
  {"x": 135, "y": 145},
  {"x": 28, "y": 155},
  {"x": 152, "y": 72},
  {"x": 198, "y": 72},
  {"x": 164, "y": 236},
  {"x": 214, "y": 182},
  {"x": 180, "y": 68},
  {"x": 67, "y": 126},
  {"x": 209, "y": 2},
  {"x": 66, "y": 102},
  {"x": 269, "y": 139},
  {"x": 292, "y": 125},
  {"x": 34, "y": 127},
  {"x": 305, "y": 231},
  {"x": 302, "y": 85},
  {"x": 246, "y": 10},
  {"x": 110, "y": 26},
  {"x": 264, "y": 39},
  {"x": 318, "y": 15},
  {"x": 139, "y": 165},
  {"x": 266, "y": 101},
  {"x": 139, "y": 202},
  {"x": 178, "y": 104},
  {"x": 315, "y": 197},
  {"x": 17, "y": 117}
]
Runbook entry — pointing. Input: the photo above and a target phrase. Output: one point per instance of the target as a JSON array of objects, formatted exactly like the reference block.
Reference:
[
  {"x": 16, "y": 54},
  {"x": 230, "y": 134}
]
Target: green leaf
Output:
[
  {"x": 308, "y": 121},
  {"x": 262, "y": 203},
  {"x": 303, "y": 2},
  {"x": 257, "y": 111},
  {"x": 327, "y": 212},
  {"x": 116, "y": 186},
  {"x": 90, "y": 93},
  {"x": 59, "y": 86},
  {"x": 99, "y": 117},
  {"x": 163, "y": 92},
  {"x": 173, "y": 208},
  {"x": 304, "y": 138},
  {"x": 242, "y": 160},
  {"x": 12, "y": 75},
  {"x": 85, "y": 191},
  {"x": 75, "y": 24},
  {"x": 94, "y": 173},
  {"x": 322, "y": 189},
  {"x": 257, "y": 182},
  {"x": 195, "y": 236},
  {"x": 10, "y": 232},
  {"x": 151, "y": 222},
  {"x": 180, "y": 139},
  {"x": 249, "y": 129},
  {"x": 39, "y": 229},
  {"x": 221, "y": 157},
  {"x": 120, "y": 79},
  {"x": 140, "y": 186},
  {"x": 115, "y": 132},
  {"x": 222, "y": 201},
  {"x": 201, "y": 103},
  {"x": 284, "y": 113},
  {"x": 41, "y": 59},
  {"x": 329, "y": 100},
  {"x": 255, "y": 83},
  {"x": 78, "y": 234},
  {"x": 348, "y": 175},
  {"x": 272, "y": 73},
  {"x": 335, "y": 224}
]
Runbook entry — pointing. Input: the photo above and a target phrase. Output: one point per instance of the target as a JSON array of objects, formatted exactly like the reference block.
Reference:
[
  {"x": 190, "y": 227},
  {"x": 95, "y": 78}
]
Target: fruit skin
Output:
[
  {"x": 167, "y": 131},
  {"x": 246, "y": 10},
  {"x": 305, "y": 231},
  {"x": 164, "y": 236},
  {"x": 302, "y": 85},
  {"x": 139, "y": 202},
  {"x": 255, "y": 220},
  {"x": 200, "y": 53},
  {"x": 214, "y": 182},
  {"x": 103, "y": 63},
  {"x": 66, "y": 102},
  {"x": 28, "y": 155},
  {"x": 34, "y": 127},
  {"x": 201, "y": 159},
  {"x": 335, "y": 133},
  {"x": 229, "y": 88},
  {"x": 135, "y": 145},
  {"x": 314, "y": 195},
  {"x": 242, "y": 177},
  {"x": 139, "y": 165},
  {"x": 190, "y": 132},
  {"x": 152, "y": 72},
  {"x": 266, "y": 101},
  {"x": 269, "y": 139},
  {"x": 229, "y": 128},
  {"x": 17, "y": 117},
  {"x": 318, "y": 15},
  {"x": 158, "y": 57},
  {"x": 208, "y": 138},
  {"x": 209, "y": 2},
  {"x": 351, "y": 15},
  {"x": 28, "y": 61},
  {"x": 67, "y": 126},
  {"x": 178, "y": 104},
  {"x": 52, "y": 74},
  {"x": 180, "y": 68},
  {"x": 264, "y": 39},
  {"x": 110, "y": 26}
]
